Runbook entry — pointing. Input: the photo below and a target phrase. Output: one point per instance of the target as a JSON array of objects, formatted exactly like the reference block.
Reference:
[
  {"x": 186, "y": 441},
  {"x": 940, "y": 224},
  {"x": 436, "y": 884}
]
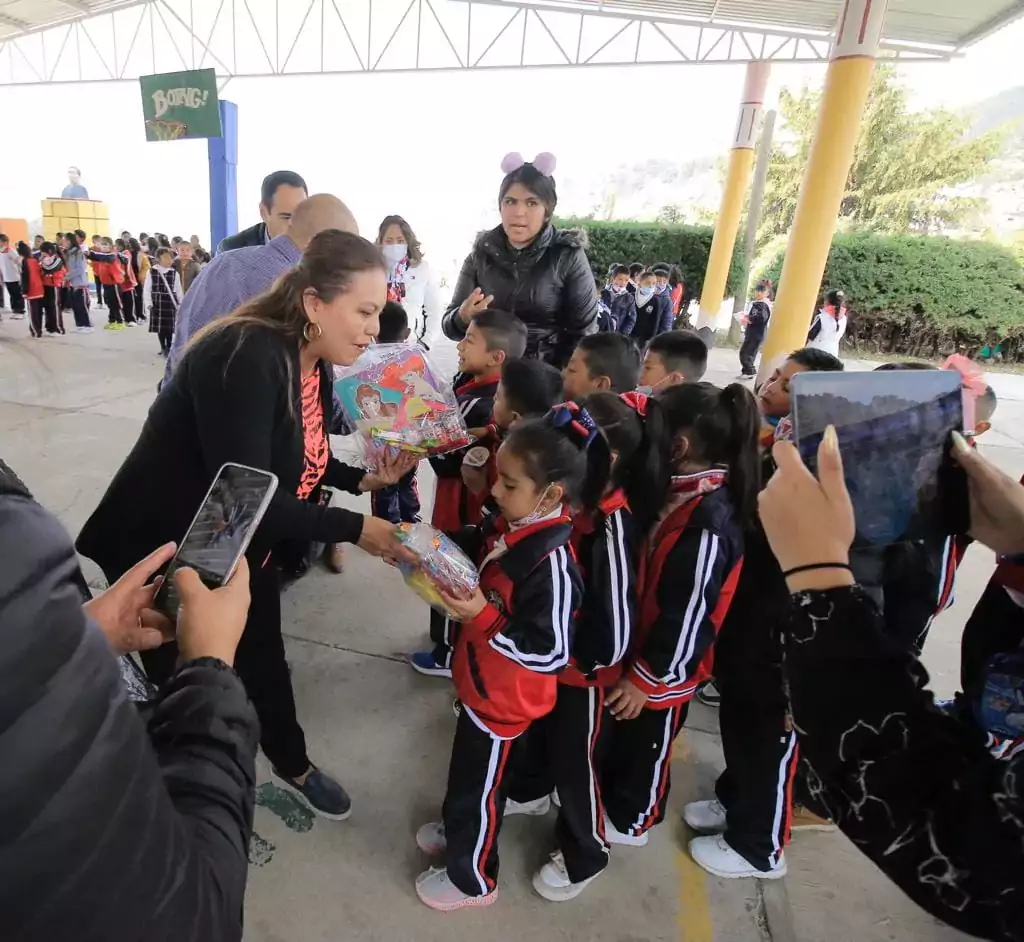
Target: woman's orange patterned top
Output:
[{"x": 317, "y": 446}]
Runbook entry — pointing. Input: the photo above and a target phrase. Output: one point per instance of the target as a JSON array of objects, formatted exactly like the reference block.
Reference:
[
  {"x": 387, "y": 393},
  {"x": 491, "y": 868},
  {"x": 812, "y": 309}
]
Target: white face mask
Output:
[
  {"x": 534, "y": 515},
  {"x": 643, "y": 295},
  {"x": 394, "y": 252}
]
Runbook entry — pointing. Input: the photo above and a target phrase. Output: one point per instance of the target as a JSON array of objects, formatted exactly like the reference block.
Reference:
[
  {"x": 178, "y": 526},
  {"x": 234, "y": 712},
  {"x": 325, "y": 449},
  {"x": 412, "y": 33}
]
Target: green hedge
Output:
[
  {"x": 925, "y": 296},
  {"x": 649, "y": 242}
]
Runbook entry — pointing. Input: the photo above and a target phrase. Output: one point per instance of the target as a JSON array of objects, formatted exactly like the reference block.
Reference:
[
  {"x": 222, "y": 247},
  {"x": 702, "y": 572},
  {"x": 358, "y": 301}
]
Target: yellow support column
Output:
[
  {"x": 741, "y": 160},
  {"x": 842, "y": 108}
]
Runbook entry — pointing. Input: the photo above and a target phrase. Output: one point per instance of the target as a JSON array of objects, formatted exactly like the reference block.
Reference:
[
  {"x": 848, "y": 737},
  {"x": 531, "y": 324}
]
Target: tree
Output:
[{"x": 905, "y": 165}]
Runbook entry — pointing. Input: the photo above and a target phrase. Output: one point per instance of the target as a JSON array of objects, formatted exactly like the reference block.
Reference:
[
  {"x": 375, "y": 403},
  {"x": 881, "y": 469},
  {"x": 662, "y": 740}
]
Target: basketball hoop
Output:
[{"x": 160, "y": 130}]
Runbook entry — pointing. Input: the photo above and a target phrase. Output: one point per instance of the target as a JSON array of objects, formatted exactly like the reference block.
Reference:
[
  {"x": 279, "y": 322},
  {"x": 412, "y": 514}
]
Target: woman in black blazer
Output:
[{"x": 255, "y": 388}]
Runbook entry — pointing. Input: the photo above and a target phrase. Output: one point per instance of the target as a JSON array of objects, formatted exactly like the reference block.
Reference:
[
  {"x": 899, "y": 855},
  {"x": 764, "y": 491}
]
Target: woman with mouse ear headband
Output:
[{"x": 527, "y": 266}]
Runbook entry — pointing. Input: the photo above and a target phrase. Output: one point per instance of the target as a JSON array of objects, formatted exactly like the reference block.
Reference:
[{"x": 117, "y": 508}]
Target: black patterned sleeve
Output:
[{"x": 911, "y": 786}]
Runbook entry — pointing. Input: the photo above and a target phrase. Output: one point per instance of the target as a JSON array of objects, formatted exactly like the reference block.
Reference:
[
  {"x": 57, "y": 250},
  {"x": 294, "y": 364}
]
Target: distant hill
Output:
[{"x": 1005, "y": 106}]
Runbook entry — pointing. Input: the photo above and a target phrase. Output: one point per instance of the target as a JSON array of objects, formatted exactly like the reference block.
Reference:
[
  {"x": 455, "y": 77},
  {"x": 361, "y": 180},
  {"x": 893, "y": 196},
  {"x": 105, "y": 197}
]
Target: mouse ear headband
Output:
[{"x": 544, "y": 163}]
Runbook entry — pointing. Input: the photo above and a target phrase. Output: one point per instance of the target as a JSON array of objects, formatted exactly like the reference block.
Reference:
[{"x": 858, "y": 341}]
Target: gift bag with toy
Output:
[
  {"x": 440, "y": 565},
  {"x": 395, "y": 398}
]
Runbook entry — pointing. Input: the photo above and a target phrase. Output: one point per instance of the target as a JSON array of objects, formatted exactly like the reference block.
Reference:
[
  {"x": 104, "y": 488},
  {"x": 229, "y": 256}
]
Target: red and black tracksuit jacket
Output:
[
  {"x": 128, "y": 279},
  {"x": 53, "y": 271},
  {"x": 107, "y": 267},
  {"x": 507, "y": 659},
  {"x": 455, "y": 506},
  {"x": 687, "y": 576},
  {"x": 31, "y": 279},
  {"x": 605, "y": 543}
]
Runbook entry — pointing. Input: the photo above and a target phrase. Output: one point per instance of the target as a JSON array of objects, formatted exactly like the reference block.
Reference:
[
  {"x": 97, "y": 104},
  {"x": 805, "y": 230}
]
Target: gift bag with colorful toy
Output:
[
  {"x": 440, "y": 565},
  {"x": 395, "y": 398}
]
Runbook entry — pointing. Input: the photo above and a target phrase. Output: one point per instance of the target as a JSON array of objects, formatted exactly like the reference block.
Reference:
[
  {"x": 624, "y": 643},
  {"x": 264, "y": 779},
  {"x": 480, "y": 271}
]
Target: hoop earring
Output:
[{"x": 309, "y": 335}]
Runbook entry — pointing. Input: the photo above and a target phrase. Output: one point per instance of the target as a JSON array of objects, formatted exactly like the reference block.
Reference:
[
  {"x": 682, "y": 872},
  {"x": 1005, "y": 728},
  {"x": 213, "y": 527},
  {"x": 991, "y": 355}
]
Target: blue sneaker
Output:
[
  {"x": 320, "y": 793},
  {"x": 423, "y": 662}
]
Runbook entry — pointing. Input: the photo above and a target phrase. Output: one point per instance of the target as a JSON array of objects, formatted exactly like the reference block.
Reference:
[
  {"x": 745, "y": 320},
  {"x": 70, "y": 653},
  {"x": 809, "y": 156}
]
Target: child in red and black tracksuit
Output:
[
  {"x": 564, "y": 751},
  {"x": 526, "y": 388},
  {"x": 53, "y": 271},
  {"x": 513, "y": 642},
  {"x": 688, "y": 569},
  {"x": 107, "y": 267},
  {"x": 128, "y": 283},
  {"x": 32, "y": 288}
]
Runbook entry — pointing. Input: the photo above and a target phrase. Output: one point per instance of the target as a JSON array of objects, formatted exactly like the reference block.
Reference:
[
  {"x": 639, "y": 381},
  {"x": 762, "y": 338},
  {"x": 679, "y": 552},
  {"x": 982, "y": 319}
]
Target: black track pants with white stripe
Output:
[
  {"x": 637, "y": 776},
  {"x": 760, "y": 750},
  {"x": 564, "y": 751},
  {"x": 442, "y": 633},
  {"x": 474, "y": 805}
]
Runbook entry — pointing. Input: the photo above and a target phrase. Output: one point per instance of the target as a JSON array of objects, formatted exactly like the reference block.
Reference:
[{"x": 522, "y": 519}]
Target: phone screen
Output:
[
  {"x": 894, "y": 434},
  {"x": 221, "y": 531}
]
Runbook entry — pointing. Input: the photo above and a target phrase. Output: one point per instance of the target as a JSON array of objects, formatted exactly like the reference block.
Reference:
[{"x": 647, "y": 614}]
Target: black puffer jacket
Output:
[
  {"x": 109, "y": 832},
  {"x": 548, "y": 285}
]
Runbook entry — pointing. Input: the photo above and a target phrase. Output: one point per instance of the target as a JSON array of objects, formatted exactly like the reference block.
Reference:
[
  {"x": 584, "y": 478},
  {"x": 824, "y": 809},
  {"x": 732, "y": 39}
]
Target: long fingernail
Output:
[
  {"x": 960, "y": 444},
  {"x": 831, "y": 440}
]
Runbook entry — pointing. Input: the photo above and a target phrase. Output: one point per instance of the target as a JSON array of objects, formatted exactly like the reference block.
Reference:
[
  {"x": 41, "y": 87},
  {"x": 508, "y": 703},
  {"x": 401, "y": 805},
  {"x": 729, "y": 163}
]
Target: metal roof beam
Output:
[
  {"x": 1007, "y": 17},
  {"x": 15, "y": 22}
]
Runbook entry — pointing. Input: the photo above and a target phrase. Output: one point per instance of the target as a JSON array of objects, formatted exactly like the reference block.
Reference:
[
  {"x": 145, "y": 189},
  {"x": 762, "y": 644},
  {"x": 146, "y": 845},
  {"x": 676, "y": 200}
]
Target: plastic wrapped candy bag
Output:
[
  {"x": 395, "y": 398},
  {"x": 442, "y": 565}
]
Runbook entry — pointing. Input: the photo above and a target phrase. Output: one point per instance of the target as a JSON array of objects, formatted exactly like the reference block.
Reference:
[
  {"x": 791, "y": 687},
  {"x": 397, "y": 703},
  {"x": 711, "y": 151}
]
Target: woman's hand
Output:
[
  {"x": 125, "y": 611},
  {"x": 391, "y": 468},
  {"x": 809, "y": 521},
  {"x": 380, "y": 538},
  {"x": 473, "y": 305},
  {"x": 997, "y": 501},
  {"x": 211, "y": 621},
  {"x": 465, "y": 609},
  {"x": 626, "y": 700}
]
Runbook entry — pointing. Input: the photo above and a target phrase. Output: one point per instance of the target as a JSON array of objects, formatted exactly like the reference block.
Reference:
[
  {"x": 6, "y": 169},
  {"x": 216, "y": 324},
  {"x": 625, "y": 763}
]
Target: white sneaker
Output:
[
  {"x": 434, "y": 888},
  {"x": 553, "y": 883},
  {"x": 708, "y": 817},
  {"x": 537, "y": 808},
  {"x": 431, "y": 839},
  {"x": 717, "y": 857},
  {"x": 17, "y": 317},
  {"x": 131, "y": 324},
  {"x": 614, "y": 836}
]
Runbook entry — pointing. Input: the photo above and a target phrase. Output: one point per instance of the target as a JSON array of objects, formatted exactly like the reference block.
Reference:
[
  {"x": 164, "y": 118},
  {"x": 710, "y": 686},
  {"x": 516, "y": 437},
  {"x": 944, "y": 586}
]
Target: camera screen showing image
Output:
[
  {"x": 221, "y": 530},
  {"x": 894, "y": 435}
]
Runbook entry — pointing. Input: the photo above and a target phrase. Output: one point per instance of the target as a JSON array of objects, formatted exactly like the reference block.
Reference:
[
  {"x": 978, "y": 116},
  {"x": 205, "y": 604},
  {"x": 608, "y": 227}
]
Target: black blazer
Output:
[
  {"x": 254, "y": 235},
  {"x": 223, "y": 403}
]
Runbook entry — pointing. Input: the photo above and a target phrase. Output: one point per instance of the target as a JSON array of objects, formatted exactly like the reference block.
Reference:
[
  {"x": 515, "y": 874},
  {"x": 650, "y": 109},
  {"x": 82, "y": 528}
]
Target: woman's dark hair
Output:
[
  {"x": 411, "y": 242},
  {"x": 74, "y": 241},
  {"x": 163, "y": 240},
  {"x": 564, "y": 447},
  {"x": 637, "y": 468},
  {"x": 836, "y": 298},
  {"x": 152, "y": 245},
  {"x": 23, "y": 250},
  {"x": 536, "y": 182},
  {"x": 134, "y": 245},
  {"x": 325, "y": 269},
  {"x": 721, "y": 426}
]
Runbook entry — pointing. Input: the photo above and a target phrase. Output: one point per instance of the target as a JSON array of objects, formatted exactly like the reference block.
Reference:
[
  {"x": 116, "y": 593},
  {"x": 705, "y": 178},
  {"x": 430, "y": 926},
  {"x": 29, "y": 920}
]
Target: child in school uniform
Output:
[
  {"x": 513, "y": 641},
  {"x": 128, "y": 283},
  {"x": 677, "y": 356},
  {"x": 398, "y": 502},
  {"x": 618, "y": 298},
  {"x": 107, "y": 268},
  {"x": 705, "y": 442},
  {"x": 32, "y": 288},
  {"x": 755, "y": 321},
  {"x": 492, "y": 339},
  {"x": 653, "y": 309},
  {"x": 163, "y": 297},
  {"x": 51, "y": 265},
  {"x": 564, "y": 751},
  {"x": 601, "y": 362},
  {"x": 527, "y": 388}
]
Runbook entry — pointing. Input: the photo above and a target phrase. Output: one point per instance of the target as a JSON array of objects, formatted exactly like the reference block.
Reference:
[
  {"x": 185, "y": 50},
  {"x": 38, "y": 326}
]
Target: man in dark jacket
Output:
[
  {"x": 281, "y": 192},
  {"x": 111, "y": 832}
]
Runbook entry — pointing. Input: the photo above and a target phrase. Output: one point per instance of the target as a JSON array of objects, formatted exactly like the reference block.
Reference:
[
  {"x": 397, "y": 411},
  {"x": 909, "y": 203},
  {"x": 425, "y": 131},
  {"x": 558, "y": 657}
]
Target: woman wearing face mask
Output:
[
  {"x": 528, "y": 267},
  {"x": 254, "y": 388},
  {"x": 411, "y": 282}
]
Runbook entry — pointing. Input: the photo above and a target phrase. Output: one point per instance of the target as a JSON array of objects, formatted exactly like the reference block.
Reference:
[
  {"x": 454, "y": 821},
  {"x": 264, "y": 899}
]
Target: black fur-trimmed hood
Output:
[{"x": 495, "y": 239}]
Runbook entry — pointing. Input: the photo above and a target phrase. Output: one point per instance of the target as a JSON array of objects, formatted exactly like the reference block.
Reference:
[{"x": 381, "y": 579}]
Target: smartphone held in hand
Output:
[
  {"x": 894, "y": 431},
  {"x": 221, "y": 531}
]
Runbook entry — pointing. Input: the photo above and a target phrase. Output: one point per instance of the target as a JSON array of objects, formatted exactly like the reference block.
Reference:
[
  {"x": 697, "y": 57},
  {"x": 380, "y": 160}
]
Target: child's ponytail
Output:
[
  {"x": 743, "y": 456},
  {"x": 582, "y": 431}
]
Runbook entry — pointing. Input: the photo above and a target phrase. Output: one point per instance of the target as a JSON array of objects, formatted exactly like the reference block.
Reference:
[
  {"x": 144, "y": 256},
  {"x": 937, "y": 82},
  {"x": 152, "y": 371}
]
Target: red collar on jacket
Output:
[
  {"x": 585, "y": 522},
  {"x": 476, "y": 384}
]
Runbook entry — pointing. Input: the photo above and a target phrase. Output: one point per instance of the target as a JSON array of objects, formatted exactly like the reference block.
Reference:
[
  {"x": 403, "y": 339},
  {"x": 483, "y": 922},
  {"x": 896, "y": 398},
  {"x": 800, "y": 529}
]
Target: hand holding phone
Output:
[{"x": 211, "y": 621}]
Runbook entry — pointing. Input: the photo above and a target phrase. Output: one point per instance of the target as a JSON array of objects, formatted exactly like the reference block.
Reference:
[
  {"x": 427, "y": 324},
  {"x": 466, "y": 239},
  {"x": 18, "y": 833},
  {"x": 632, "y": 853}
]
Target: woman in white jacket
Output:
[
  {"x": 410, "y": 280},
  {"x": 829, "y": 324}
]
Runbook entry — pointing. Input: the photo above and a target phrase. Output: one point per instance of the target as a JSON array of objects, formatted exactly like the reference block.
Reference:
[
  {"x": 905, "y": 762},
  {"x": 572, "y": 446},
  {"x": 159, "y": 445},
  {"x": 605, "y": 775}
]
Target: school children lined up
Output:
[
  {"x": 52, "y": 278},
  {"x": 639, "y": 302}
]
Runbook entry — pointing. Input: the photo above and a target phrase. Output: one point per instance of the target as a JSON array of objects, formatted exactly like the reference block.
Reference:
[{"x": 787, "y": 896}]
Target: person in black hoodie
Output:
[
  {"x": 113, "y": 831},
  {"x": 254, "y": 388},
  {"x": 528, "y": 267}
]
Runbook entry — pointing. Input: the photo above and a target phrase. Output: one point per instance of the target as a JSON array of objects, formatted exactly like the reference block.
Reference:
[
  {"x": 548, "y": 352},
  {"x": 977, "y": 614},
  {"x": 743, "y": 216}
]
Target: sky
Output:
[{"x": 426, "y": 145}]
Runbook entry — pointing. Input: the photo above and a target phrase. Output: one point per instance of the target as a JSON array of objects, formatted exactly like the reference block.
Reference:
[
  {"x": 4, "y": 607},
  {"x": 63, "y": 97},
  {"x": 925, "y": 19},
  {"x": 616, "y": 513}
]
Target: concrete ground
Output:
[{"x": 70, "y": 409}]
